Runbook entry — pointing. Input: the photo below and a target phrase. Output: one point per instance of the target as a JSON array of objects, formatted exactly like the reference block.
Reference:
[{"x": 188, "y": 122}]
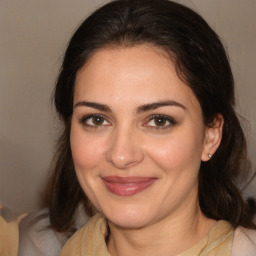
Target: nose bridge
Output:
[{"x": 124, "y": 148}]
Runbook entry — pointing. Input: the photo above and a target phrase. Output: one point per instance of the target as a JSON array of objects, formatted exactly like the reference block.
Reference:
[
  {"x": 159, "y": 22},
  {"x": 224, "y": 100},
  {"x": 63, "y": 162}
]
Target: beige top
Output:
[{"x": 90, "y": 240}]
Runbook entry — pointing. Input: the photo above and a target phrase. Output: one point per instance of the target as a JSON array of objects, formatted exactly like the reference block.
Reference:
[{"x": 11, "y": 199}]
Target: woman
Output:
[{"x": 151, "y": 140}]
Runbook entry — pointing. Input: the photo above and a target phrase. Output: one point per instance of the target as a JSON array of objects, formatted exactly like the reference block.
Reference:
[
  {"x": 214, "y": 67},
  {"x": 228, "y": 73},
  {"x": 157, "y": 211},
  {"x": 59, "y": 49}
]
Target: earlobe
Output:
[{"x": 213, "y": 136}]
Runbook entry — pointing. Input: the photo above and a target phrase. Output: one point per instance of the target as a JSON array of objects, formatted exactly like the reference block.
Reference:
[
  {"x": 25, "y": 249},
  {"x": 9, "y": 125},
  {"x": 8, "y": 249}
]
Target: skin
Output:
[{"x": 128, "y": 141}]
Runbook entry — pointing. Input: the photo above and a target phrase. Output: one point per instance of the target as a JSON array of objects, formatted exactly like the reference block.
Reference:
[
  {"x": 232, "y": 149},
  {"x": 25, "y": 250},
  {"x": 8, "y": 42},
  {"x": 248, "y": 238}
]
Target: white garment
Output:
[
  {"x": 244, "y": 243},
  {"x": 36, "y": 238}
]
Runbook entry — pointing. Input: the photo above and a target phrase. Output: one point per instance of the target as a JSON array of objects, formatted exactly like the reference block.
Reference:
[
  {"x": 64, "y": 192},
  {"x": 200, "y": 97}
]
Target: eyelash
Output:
[{"x": 164, "y": 118}]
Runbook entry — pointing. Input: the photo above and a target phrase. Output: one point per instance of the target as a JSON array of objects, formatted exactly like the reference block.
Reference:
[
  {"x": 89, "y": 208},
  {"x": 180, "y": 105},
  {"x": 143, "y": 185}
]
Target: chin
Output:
[{"x": 128, "y": 218}]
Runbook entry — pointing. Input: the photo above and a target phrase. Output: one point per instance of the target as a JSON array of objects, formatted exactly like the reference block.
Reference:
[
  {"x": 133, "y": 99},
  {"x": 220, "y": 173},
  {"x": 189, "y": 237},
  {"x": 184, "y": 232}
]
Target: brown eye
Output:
[
  {"x": 97, "y": 120},
  {"x": 160, "y": 121},
  {"x": 94, "y": 121}
]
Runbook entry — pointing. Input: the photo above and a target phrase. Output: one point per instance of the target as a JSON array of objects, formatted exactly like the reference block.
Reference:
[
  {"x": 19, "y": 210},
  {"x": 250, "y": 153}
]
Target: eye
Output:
[
  {"x": 94, "y": 121},
  {"x": 160, "y": 121}
]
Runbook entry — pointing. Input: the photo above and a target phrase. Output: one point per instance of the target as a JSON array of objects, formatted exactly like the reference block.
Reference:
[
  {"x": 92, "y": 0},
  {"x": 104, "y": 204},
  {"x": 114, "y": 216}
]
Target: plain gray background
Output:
[{"x": 33, "y": 36}]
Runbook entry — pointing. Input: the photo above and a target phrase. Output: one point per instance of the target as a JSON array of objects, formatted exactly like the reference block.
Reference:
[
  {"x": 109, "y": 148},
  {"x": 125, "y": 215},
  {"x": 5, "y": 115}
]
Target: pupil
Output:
[
  {"x": 97, "y": 120},
  {"x": 160, "y": 121}
]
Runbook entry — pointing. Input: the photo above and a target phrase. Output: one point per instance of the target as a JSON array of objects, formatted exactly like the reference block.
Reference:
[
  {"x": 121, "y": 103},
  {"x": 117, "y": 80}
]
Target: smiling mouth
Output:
[{"x": 127, "y": 186}]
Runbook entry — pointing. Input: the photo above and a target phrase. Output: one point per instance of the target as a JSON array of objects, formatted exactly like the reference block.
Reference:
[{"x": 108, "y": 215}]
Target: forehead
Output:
[
  {"x": 121, "y": 59},
  {"x": 131, "y": 74}
]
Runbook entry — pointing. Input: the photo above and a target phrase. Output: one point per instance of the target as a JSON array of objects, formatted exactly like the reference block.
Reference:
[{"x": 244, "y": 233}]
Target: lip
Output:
[{"x": 127, "y": 186}]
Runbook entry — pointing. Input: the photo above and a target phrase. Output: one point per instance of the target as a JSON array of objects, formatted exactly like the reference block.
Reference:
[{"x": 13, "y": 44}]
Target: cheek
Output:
[
  {"x": 87, "y": 152},
  {"x": 178, "y": 152}
]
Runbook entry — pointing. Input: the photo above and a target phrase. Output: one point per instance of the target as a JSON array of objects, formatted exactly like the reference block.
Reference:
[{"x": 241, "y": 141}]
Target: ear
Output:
[{"x": 213, "y": 135}]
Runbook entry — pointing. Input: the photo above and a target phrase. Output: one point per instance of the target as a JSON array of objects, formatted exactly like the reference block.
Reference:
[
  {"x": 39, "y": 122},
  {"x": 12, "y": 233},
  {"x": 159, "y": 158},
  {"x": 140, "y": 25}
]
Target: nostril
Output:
[
  {"x": 125, "y": 157},
  {"x": 121, "y": 161}
]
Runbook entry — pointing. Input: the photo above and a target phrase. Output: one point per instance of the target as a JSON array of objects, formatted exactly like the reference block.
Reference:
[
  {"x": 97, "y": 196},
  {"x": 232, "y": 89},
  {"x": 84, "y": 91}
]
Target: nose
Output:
[{"x": 124, "y": 149}]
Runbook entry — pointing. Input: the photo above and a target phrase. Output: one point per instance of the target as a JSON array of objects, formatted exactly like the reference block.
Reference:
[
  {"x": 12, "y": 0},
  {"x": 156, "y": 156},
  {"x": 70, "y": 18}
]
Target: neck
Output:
[{"x": 184, "y": 230}]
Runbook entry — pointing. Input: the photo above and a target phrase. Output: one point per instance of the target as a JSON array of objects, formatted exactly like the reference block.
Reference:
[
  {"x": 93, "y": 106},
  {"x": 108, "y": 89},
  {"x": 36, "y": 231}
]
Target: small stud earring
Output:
[{"x": 210, "y": 156}]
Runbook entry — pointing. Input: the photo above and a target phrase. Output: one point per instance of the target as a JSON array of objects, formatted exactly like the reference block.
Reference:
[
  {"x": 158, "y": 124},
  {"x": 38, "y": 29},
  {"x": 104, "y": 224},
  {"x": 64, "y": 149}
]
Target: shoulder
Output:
[
  {"x": 37, "y": 238},
  {"x": 244, "y": 243}
]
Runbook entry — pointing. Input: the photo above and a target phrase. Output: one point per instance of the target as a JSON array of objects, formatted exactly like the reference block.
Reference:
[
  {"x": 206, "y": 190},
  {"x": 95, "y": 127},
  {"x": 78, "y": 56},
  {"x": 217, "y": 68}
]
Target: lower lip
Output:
[{"x": 129, "y": 188}]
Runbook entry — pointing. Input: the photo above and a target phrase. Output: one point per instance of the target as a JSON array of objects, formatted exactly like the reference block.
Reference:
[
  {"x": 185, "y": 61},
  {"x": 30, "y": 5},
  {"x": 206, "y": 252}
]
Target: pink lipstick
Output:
[{"x": 127, "y": 186}]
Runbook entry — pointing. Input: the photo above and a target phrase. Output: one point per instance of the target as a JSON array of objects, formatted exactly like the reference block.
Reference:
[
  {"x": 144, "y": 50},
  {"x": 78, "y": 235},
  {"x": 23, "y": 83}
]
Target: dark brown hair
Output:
[{"x": 201, "y": 62}]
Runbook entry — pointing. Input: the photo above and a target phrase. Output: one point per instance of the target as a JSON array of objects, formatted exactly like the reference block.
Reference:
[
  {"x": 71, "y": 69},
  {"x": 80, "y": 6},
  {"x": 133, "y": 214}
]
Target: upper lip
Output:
[{"x": 125, "y": 180}]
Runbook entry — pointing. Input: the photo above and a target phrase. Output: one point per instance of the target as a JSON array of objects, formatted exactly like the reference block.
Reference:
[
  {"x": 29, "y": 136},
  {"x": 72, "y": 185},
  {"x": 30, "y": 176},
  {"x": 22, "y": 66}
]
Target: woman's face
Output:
[{"x": 137, "y": 136}]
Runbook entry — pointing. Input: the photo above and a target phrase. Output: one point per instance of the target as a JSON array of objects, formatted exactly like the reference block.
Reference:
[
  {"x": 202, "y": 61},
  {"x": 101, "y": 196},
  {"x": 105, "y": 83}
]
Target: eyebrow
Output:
[
  {"x": 160, "y": 104},
  {"x": 95, "y": 105},
  {"x": 140, "y": 109}
]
